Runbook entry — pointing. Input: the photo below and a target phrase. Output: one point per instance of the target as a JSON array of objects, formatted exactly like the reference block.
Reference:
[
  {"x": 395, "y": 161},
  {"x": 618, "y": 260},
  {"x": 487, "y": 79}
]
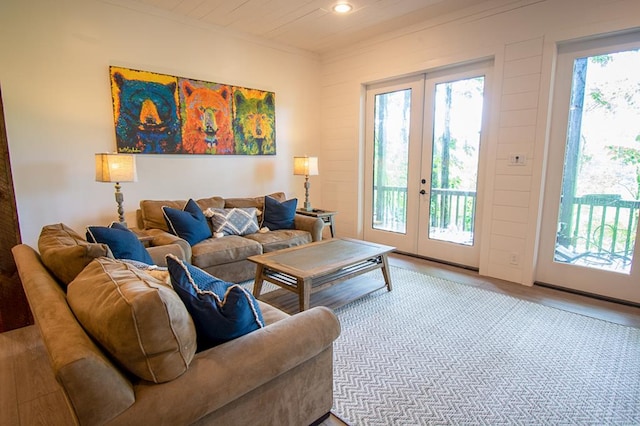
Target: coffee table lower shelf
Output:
[
  {"x": 333, "y": 297},
  {"x": 288, "y": 281}
]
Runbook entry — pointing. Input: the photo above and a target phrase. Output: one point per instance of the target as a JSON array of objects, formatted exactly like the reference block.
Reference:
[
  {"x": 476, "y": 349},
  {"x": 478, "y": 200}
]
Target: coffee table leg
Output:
[
  {"x": 304, "y": 293},
  {"x": 257, "y": 284},
  {"x": 385, "y": 272}
]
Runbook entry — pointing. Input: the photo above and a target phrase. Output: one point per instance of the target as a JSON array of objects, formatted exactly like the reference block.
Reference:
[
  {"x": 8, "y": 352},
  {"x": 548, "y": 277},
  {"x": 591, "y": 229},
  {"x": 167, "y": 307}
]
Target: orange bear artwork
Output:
[{"x": 206, "y": 118}]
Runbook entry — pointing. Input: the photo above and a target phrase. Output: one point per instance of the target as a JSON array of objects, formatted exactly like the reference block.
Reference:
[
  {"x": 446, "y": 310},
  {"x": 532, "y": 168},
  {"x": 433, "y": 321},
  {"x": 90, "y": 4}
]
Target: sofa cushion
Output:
[
  {"x": 279, "y": 215},
  {"x": 234, "y": 221},
  {"x": 271, "y": 314},
  {"x": 65, "y": 253},
  {"x": 221, "y": 311},
  {"x": 257, "y": 202},
  {"x": 218, "y": 251},
  {"x": 123, "y": 243},
  {"x": 280, "y": 239},
  {"x": 190, "y": 223},
  {"x": 139, "y": 320},
  {"x": 160, "y": 273},
  {"x": 153, "y": 217}
]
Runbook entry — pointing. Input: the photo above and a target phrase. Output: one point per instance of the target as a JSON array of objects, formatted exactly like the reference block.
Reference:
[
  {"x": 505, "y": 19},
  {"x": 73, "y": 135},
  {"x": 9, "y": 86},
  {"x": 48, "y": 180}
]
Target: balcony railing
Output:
[
  {"x": 451, "y": 208},
  {"x": 602, "y": 228},
  {"x": 602, "y": 231},
  {"x": 389, "y": 208},
  {"x": 452, "y": 211}
]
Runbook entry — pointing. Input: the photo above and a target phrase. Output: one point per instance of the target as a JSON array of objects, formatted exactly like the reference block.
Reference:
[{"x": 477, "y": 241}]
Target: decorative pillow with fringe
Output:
[
  {"x": 235, "y": 221},
  {"x": 221, "y": 311},
  {"x": 189, "y": 223}
]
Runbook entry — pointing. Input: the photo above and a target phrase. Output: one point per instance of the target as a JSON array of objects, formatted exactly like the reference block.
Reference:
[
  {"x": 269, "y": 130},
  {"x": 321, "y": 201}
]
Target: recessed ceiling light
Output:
[{"x": 342, "y": 8}]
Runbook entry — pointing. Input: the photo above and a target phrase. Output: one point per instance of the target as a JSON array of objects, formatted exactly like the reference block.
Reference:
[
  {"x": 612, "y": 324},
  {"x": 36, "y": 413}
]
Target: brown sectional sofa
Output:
[
  {"x": 226, "y": 257},
  {"x": 281, "y": 374},
  {"x": 66, "y": 253}
]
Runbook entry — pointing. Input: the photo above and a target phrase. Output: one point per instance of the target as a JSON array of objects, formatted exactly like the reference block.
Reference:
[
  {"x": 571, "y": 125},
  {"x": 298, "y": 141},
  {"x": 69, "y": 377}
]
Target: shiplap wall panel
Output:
[
  {"x": 525, "y": 100},
  {"x": 521, "y": 84},
  {"x": 504, "y": 150},
  {"x": 519, "y": 115},
  {"x": 508, "y": 228},
  {"x": 504, "y": 167},
  {"x": 511, "y": 198},
  {"x": 523, "y": 50},
  {"x": 511, "y": 214},
  {"x": 518, "y": 110},
  {"x": 506, "y": 243},
  {"x": 522, "y": 66},
  {"x": 521, "y": 134},
  {"x": 513, "y": 183}
]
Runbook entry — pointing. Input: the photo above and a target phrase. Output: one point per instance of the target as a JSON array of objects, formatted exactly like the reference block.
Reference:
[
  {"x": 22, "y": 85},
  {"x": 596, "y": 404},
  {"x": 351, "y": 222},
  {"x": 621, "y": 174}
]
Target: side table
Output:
[{"x": 325, "y": 215}]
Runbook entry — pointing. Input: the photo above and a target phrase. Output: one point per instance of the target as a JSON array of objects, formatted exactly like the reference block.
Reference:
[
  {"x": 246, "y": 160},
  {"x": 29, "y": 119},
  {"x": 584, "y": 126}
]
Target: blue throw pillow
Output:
[
  {"x": 123, "y": 243},
  {"x": 279, "y": 215},
  {"x": 190, "y": 224},
  {"x": 221, "y": 311}
]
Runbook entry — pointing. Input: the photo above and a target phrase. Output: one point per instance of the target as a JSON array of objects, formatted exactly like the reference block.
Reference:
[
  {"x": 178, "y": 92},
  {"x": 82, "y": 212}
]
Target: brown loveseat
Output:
[
  {"x": 277, "y": 375},
  {"x": 226, "y": 257}
]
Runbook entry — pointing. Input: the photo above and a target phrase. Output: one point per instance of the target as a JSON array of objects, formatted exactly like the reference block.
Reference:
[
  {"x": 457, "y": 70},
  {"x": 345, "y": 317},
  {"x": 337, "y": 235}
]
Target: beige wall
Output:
[
  {"x": 54, "y": 61},
  {"x": 521, "y": 37}
]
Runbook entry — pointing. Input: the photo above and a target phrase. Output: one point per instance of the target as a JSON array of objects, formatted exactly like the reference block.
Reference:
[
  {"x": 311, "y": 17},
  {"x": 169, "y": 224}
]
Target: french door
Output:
[
  {"x": 423, "y": 149},
  {"x": 589, "y": 238}
]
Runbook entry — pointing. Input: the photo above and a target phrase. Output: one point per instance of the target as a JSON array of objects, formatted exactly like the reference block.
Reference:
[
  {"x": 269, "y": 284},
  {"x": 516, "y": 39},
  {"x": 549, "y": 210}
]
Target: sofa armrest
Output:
[
  {"x": 313, "y": 225},
  {"x": 163, "y": 238},
  {"x": 94, "y": 388},
  {"x": 226, "y": 372}
]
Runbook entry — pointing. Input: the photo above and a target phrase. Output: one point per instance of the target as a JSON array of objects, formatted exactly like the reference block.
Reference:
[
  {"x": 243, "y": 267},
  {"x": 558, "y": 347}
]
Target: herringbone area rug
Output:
[{"x": 436, "y": 352}]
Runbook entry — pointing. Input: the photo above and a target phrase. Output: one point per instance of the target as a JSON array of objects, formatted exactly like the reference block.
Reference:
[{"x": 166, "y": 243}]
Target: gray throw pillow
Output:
[{"x": 235, "y": 221}]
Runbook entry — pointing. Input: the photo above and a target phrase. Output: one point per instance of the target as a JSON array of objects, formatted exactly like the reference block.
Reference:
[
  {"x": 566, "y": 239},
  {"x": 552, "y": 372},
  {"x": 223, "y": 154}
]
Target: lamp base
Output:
[
  {"x": 119, "y": 200},
  {"x": 307, "y": 203}
]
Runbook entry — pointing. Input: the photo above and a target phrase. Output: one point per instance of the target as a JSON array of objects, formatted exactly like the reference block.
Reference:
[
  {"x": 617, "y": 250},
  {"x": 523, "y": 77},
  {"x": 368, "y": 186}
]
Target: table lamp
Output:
[
  {"x": 305, "y": 166},
  {"x": 116, "y": 168}
]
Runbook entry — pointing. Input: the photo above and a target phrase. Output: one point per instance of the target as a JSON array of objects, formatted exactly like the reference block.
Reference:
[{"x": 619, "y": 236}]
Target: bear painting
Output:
[
  {"x": 254, "y": 122},
  {"x": 163, "y": 114},
  {"x": 205, "y": 109},
  {"x": 146, "y": 113}
]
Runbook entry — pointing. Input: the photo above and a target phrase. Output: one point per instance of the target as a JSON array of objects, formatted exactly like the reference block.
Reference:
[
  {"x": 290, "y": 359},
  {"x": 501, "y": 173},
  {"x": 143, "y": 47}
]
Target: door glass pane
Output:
[
  {"x": 600, "y": 201},
  {"x": 391, "y": 160},
  {"x": 456, "y": 147}
]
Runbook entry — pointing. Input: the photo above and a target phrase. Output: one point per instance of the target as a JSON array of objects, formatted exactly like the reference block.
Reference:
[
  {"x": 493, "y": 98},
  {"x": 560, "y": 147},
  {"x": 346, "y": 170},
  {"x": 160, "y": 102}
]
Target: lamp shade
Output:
[
  {"x": 305, "y": 166},
  {"x": 116, "y": 168}
]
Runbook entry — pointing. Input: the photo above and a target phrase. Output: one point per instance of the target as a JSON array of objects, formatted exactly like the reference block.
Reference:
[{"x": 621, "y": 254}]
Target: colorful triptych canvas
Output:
[{"x": 162, "y": 114}]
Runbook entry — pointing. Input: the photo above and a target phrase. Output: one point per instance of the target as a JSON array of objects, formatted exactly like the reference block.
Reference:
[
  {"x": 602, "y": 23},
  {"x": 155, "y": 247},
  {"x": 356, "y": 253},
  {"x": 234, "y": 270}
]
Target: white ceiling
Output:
[{"x": 307, "y": 24}]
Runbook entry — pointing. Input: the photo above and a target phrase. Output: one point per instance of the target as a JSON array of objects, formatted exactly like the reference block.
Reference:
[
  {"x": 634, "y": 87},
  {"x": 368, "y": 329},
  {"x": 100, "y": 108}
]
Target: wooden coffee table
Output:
[{"x": 313, "y": 267}]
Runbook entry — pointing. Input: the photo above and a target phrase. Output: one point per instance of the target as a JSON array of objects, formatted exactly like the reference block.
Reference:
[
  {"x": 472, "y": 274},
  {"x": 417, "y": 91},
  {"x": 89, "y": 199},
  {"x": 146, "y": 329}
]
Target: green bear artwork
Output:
[
  {"x": 254, "y": 122},
  {"x": 162, "y": 114}
]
